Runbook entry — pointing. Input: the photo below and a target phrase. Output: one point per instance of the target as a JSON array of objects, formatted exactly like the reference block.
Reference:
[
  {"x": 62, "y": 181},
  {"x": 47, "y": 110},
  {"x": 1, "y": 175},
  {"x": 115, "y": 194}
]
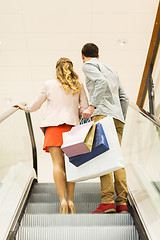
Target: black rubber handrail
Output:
[
  {"x": 148, "y": 115},
  {"x": 8, "y": 113}
]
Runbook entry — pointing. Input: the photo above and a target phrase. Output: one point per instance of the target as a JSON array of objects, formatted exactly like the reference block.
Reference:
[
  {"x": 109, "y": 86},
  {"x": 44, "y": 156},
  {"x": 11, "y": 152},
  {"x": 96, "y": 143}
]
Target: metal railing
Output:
[{"x": 7, "y": 114}]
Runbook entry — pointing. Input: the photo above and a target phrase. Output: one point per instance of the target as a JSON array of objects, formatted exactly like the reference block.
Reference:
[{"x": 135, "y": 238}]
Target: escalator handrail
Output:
[
  {"x": 151, "y": 117},
  {"x": 150, "y": 61},
  {"x": 33, "y": 143},
  {"x": 7, "y": 114}
]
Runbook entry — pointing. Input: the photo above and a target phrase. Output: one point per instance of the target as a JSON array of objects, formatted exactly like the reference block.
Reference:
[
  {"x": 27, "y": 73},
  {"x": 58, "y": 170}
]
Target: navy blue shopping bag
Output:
[{"x": 100, "y": 145}]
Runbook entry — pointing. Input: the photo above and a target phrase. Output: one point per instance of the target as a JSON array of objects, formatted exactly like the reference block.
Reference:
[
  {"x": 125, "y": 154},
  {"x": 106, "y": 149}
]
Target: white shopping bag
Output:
[{"x": 105, "y": 163}]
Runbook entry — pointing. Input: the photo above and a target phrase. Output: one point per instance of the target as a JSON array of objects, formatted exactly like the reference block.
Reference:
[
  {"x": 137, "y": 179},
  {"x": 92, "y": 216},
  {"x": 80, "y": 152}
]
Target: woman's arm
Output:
[{"x": 37, "y": 103}]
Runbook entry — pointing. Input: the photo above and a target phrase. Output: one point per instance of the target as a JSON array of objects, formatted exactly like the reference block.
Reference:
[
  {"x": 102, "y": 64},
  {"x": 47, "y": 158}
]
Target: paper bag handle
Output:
[{"x": 84, "y": 121}]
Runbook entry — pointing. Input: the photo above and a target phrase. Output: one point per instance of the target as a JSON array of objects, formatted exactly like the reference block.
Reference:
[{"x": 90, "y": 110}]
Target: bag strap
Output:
[{"x": 84, "y": 121}]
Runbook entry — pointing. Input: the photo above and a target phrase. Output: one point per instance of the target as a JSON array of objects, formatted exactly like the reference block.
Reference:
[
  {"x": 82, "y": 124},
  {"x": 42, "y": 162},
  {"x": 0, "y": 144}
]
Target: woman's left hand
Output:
[{"x": 19, "y": 106}]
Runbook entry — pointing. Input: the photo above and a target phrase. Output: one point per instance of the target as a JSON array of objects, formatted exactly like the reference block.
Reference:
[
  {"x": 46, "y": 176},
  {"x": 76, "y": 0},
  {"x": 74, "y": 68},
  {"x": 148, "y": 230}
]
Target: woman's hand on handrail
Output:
[{"x": 19, "y": 106}]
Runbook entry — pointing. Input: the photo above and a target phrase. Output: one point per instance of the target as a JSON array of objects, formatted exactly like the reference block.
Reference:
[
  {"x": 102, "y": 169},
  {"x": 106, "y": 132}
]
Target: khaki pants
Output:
[{"x": 120, "y": 183}]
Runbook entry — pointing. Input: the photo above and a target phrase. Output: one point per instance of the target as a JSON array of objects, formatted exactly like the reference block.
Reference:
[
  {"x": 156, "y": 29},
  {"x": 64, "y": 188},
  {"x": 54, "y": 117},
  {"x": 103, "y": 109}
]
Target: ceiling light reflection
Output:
[{"x": 122, "y": 42}]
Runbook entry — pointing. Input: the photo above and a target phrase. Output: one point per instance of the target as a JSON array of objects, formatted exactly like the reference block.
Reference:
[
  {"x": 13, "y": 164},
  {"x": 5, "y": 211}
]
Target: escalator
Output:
[
  {"x": 32, "y": 209},
  {"x": 41, "y": 219},
  {"x": 36, "y": 213}
]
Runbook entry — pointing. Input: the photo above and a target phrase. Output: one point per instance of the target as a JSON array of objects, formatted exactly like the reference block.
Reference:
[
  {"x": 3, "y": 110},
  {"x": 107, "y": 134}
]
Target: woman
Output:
[{"x": 66, "y": 99}]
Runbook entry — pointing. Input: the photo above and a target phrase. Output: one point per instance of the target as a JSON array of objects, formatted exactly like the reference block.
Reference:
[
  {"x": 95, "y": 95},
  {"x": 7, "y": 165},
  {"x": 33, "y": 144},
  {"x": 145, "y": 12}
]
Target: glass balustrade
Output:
[{"x": 15, "y": 148}]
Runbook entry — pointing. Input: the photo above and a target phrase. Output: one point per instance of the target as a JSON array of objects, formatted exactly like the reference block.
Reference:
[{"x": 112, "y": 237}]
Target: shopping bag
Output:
[
  {"x": 79, "y": 139},
  {"x": 107, "y": 162},
  {"x": 100, "y": 145},
  {"x": 90, "y": 137}
]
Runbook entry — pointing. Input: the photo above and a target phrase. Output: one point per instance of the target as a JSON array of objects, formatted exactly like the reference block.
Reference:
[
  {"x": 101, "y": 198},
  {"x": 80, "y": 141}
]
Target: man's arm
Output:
[
  {"x": 124, "y": 100},
  {"x": 93, "y": 74}
]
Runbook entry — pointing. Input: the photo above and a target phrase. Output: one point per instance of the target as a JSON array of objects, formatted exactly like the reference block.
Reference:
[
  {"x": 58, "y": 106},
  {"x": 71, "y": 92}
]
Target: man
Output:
[{"x": 107, "y": 98}]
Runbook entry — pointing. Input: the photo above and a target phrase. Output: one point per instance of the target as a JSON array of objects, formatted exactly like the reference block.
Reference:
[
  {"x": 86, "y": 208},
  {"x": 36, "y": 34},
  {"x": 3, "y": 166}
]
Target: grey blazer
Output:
[{"x": 105, "y": 90}]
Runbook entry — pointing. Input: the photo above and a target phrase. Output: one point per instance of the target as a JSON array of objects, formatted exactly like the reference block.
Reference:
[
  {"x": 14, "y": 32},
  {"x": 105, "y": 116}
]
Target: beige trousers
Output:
[{"x": 120, "y": 182}]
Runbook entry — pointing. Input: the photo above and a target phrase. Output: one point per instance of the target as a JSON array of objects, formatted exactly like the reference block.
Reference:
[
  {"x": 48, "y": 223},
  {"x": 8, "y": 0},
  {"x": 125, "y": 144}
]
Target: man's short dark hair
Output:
[{"x": 90, "y": 50}]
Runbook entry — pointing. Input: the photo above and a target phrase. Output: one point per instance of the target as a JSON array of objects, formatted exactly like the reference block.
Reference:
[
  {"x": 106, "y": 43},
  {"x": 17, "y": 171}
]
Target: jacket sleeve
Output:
[
  {"x": 83, "y": 100},
  {"x": 40, "y": 99},
  {"x": 93, "y": 74},
  {"x": 124, "y": 100}
]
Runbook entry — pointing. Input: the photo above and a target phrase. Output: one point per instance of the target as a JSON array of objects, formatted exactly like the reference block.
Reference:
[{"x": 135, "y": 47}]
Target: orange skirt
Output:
[{"x": 53, "y": 136}]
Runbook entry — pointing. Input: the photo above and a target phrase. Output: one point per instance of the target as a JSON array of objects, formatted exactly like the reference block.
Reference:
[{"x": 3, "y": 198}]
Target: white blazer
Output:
[{"x": 61, "y": 107}]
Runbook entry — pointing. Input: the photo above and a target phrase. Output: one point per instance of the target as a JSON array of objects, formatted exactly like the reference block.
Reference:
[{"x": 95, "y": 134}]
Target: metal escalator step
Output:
[
  {"x": 50, "y": 208},
  {"x": 79, "y": 197},
  {"x": 78, "y": 233},
  {"x": 44, "y": 197},
  {"x": 79, "y": 187},
  {"x": 47, "y": 220}
]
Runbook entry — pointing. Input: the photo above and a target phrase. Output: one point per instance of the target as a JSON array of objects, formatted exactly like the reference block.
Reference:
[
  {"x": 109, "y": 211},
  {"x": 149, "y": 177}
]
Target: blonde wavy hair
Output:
[{"x": 67, "y": 76}]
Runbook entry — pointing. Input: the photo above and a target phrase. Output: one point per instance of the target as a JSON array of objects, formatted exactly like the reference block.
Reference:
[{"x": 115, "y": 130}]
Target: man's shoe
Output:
[
  {"x": 122, "y": 209},
  {"x": 105, "y": 208}
]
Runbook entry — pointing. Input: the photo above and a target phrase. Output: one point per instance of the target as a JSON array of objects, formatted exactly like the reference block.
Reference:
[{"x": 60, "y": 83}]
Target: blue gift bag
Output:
[{"x": 100, "y": 145}]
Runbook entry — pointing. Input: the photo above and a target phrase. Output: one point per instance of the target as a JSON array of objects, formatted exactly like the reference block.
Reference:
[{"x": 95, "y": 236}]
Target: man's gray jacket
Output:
[{"x": 105, "y": 90}]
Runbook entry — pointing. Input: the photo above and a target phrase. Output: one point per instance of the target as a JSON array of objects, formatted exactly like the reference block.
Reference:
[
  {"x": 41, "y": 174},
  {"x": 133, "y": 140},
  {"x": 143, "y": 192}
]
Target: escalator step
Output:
[
  {"x": 50, "y": 208},
  {"x": 79, "y": 197},
  {"x": 79, "y": 187},
  {"x": 78, "y": 233},
  {"x": 56, "y": 220}
]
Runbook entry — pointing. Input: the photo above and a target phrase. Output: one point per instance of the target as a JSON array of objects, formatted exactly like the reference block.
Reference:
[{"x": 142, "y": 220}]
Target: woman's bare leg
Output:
[
  {"x": 70, "y": 196},
  {"x": 59, "y": 176}
]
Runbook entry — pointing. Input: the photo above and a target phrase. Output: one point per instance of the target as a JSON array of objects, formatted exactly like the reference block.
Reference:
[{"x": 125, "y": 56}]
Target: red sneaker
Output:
[
  {"x": 122, "y": 209},
  {"x": 105, "y": 208}
]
